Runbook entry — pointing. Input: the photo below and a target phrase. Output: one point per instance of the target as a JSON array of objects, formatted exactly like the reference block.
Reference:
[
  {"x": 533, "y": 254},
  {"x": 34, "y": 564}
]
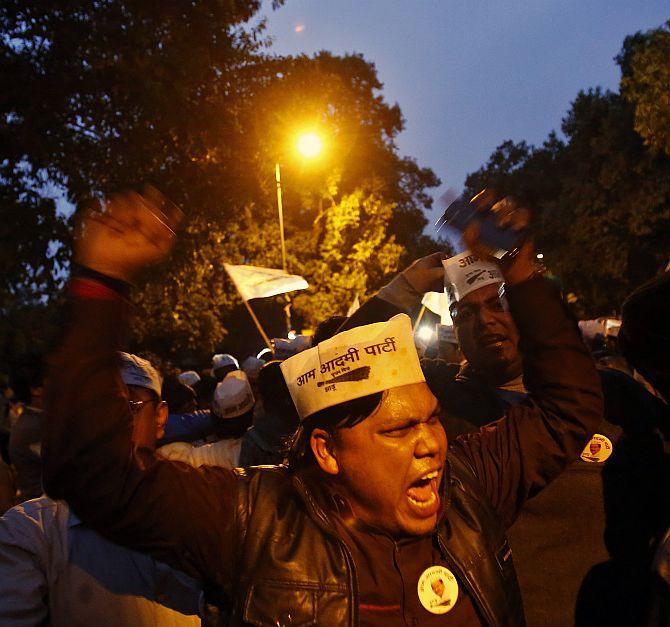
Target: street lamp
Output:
[{"x": 309, "y": 145}]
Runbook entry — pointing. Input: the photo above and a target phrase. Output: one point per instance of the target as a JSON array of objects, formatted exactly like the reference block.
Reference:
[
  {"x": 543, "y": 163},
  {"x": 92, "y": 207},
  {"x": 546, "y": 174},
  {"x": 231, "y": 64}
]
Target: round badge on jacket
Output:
[
  {"x": 598, "y": 449},
  {"x": 437, "y": 589}
]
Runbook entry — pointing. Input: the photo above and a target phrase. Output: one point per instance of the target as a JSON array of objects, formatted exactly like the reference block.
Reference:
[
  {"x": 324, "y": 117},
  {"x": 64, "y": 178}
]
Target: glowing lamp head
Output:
[{"x": 309, "y": 145}]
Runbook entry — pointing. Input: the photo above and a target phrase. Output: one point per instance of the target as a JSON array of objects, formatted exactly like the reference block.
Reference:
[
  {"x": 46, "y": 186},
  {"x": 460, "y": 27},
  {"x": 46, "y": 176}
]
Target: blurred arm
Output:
[{"x": 180, "y": 515}]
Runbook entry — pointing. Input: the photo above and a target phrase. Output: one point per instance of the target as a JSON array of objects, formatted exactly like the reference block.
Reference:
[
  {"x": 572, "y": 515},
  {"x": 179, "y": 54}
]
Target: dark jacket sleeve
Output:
[
  {"x": 521, "y": 453},
  {"x": 178, "y": 514}
]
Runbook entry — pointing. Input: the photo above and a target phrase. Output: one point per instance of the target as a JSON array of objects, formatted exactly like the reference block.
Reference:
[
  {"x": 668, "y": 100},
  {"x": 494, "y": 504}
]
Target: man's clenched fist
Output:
[{"x": 125, "y": 233}]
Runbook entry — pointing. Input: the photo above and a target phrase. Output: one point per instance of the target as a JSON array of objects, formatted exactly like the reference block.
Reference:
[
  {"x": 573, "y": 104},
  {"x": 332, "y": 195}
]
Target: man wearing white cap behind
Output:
[
  {"x": 55, "y": 570},
  {"x": 232, "y": 412},
  {"x": 190, "y": 378},
  {"x": 374, "y": 522},
  {"x": 484, "y": 326},
  {"x": 490, "y": 380},
  {"x": 222, "y": 364}
]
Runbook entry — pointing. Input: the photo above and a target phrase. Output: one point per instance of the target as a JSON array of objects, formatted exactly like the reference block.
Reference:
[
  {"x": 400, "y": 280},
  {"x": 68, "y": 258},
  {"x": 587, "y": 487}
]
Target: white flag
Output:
[
  {"x": 254, "y": 282},
  {"x": 354, "y": 307},
  {"x": 438, "y": 303}
]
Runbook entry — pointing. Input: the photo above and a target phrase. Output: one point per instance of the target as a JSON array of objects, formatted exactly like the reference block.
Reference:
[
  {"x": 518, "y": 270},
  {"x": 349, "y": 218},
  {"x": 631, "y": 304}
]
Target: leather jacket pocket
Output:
[{"x": 280, "y": 605}]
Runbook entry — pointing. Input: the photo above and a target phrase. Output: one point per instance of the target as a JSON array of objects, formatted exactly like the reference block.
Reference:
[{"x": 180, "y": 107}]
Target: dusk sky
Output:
[{"x": 470, "y": 74}]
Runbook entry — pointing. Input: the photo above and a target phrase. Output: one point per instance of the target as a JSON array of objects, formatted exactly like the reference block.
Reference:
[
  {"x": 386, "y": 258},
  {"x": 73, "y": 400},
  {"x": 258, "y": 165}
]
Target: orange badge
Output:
[{"x": 598, "y": 449}]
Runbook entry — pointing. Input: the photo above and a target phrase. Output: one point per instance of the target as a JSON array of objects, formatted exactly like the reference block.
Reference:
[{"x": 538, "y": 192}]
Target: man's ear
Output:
[
  {"x": 161, "y": 419},
  {"x": 324, "y": 451}
]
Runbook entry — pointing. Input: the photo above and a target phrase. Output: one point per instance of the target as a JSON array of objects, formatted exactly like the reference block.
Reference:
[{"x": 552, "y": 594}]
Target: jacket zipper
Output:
[{"x": 402, "y": 580}]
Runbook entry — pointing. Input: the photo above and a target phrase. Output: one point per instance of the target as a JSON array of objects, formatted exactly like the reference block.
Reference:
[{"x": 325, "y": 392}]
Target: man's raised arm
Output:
[
  {"x": 520, "y": 454},
  {"x": 178, "y": 514}
]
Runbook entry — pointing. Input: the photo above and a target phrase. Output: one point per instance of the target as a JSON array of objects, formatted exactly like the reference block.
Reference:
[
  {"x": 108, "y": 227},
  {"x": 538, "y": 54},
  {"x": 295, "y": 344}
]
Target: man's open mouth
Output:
[
  {"x": 492, "y": 340},
  {"x": 423, "y": 494}
]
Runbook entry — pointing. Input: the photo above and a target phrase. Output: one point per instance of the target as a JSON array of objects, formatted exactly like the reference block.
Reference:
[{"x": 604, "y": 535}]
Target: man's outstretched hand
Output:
[{"x": 125, "y": 233}]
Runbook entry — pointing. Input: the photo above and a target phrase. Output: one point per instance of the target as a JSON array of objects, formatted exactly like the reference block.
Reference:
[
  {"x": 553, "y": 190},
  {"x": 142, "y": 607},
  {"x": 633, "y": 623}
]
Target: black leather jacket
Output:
[
  {"x": 264, "y": 538},
  {"x": 297, "y": 571}
]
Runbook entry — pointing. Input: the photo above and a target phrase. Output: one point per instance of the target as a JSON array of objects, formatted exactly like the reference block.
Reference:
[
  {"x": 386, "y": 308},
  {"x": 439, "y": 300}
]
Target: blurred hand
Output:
[
  {"x": 123, "y": 234},
  {"x": 427, "y": 273},
  {"x": 519, "y": 266}
]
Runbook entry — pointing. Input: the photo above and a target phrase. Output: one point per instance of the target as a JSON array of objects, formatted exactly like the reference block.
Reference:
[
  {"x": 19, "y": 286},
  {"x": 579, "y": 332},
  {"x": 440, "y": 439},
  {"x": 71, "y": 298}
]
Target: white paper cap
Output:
[
  {"x": 190, "y": 378},
  {"x": 139, "y": 372},
  {"x": 224, "y": 359},
  {"x": 233, "y": 396},
  {"x": 465, "y": 273},
  {"x": 352, "y": 364}
]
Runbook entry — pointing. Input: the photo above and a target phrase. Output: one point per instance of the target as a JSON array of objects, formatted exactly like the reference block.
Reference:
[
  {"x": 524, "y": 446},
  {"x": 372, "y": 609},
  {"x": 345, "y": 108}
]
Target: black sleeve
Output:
[
  {"x": 178, "y": 514},
  {"x": 521, "y": 453}
]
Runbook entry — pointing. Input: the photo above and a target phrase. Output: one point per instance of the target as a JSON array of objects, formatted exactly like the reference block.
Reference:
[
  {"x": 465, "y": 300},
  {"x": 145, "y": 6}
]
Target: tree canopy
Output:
[
  {"x": 645, "y": 83},
  {"x": 601, "y": 192},
  {"x": 105, "y": 95}
]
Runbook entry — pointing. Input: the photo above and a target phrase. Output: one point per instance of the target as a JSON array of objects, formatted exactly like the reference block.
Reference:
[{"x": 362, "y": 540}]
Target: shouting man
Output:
[{"x": 373, "y": 507}]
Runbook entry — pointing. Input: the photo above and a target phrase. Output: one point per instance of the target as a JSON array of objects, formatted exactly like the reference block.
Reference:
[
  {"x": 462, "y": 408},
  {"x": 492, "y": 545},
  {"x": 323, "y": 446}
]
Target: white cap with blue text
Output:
[
  {"x": 466, "y": 272},
  {"x": 352, "y": 364}
]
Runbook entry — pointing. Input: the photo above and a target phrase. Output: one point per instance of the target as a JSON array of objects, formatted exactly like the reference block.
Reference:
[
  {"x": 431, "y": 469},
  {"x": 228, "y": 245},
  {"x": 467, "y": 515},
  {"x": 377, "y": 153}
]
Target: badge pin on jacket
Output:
[
  {"x": 437, "y": 589},
  {"x": 598, "y": 449}
]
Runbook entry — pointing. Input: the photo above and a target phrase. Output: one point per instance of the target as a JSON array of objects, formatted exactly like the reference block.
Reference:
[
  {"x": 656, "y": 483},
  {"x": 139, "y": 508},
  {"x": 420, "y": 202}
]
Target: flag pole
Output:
[
  {"x": 257, "y": 323},
  {"x": 418, "y": 318},
  {"x": 280, "y": 210}
]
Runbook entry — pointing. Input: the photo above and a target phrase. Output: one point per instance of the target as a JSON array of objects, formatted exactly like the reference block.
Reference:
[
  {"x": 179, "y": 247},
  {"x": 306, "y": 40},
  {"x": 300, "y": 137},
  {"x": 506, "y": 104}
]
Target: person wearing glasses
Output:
[{"x": 54, "y": 570}]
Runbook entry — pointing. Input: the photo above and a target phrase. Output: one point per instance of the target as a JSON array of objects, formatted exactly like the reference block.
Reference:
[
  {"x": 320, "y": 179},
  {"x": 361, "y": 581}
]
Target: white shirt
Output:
[{"x": 56, "y": 571}]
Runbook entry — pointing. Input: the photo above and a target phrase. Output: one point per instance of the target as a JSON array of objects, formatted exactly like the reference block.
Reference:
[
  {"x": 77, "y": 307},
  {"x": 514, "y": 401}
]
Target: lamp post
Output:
[
  {"x": 280, "y": 209},
  {"x": 309, "y": 146}
]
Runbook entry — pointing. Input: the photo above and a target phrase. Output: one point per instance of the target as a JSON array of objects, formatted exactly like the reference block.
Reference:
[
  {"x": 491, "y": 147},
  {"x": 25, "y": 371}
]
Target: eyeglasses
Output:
[{"x": 136, "y": 406}]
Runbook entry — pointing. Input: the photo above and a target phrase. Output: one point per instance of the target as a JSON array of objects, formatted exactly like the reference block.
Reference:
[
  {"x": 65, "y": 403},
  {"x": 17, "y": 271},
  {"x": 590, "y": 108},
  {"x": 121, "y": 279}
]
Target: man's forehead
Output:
[{"x": 413, "y": 401}]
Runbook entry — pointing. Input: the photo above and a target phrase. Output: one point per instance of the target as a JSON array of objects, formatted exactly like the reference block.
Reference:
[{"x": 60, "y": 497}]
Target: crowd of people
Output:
[{"x": 516, "y": 472}]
